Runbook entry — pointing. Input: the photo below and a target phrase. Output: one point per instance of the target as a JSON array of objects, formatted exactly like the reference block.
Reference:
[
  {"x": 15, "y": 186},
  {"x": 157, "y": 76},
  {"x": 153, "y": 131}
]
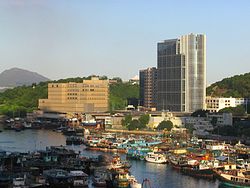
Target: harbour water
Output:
[{"x": 159, "y": 175}]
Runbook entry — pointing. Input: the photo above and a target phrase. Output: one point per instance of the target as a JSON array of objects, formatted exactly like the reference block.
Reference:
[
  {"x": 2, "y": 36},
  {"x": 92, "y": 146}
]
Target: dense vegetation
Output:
[
  {"x": 238, "y": 130},
  {"x": 200, "y": 113},
  {"x": 19, "y": 100},
  {"x": 135, "y": 124},
  {"x": 168, "y": 125},
  {"x": 237, "y": 86},
  {"x": 22, "y": 99},
  {"x": 236, "y": 111},
  {"x": 120, "y": 92}
]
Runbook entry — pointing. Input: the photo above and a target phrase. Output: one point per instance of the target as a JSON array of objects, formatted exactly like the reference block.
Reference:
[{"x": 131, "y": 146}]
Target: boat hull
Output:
[
  {"x": 155, "y": 161},
  {"x": 204, "y": 173},
  {"x": 227, "y": 182}
]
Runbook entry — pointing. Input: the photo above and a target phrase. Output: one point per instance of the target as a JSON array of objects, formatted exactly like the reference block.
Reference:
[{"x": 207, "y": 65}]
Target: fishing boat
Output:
[
  {"x": 178, "y": 162},
  {"x": 120, "y": 178},
  {"x": 69, "y": 132},
  {"x": 99, "y": 178},
  {"x": 133, "y": 183},
  {"x": 19, "y": 182},
  {"x": 234, "y": 178},
  {"x": 198, "y": 171},
  {"x": 137, "y": 152},
  {"x": 156, "y": 157},
  {"x": 117, "y": 163},
  {"x": 58, "y": 178},
  {"x": 73, "y": 140},
  {"x": 27, "y": 125},
  {"x": 137, "y": 143},
  {"x": 80, "y": 179}
]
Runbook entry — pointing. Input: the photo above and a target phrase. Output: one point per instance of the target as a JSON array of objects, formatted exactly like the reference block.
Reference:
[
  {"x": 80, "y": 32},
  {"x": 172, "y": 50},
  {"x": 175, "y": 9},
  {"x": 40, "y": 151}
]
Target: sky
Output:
[{"x": 117, "y": 38}]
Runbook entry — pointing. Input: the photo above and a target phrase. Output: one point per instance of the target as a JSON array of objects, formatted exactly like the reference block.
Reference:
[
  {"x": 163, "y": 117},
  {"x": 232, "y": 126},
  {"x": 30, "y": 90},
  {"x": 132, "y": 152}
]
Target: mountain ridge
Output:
[
  {"x": 237, "y": 86},
  {"x": 14, "y": 77}
]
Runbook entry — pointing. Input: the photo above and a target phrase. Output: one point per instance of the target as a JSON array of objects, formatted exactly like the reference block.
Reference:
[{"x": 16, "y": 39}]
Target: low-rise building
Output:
[
  {"x": 201, "y": 125},
  {"x": 242, "y": 101},
  {"x": 214, "y": 104},
  {"x": 221, "y": 119},
  {"x": 154, "y": 120}
]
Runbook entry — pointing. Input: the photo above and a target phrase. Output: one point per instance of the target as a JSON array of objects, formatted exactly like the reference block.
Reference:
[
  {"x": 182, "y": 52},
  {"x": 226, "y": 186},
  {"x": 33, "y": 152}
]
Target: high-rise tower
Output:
[
  {"x": 148, "y": 87},
  {"x": 181, "y": 81}
]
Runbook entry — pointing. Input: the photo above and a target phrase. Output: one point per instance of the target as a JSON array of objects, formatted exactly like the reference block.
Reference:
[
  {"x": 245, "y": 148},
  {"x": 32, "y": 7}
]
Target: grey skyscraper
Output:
[{"x": 181, "y": 81}]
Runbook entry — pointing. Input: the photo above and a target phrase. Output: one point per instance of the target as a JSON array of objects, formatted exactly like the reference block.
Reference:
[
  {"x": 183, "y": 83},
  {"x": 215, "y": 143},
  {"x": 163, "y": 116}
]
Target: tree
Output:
[
  {"x": 25, "y": 98},
  {"x": 190, "y": 128},
  {"x": 127, "y": 120},
  {"x": 144, "y": 119},
  {"x": 103, "y": 77},
  {"x": 118, "y": 79},
  {"x": 236, "y": 111},
  {"x": 134, "y": 124},
  {"x": 120, "y": 92},
  {"x": 237, "y": 86},
  {"x": 165, "y": 125},
  {"x": 200, "y": 113}
]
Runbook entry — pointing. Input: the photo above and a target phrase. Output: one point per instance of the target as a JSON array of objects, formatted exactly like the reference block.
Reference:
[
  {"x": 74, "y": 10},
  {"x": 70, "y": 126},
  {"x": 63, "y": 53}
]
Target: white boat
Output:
[
  {"x": 27, "y": 125},
  {"x": 237, "y": 177},
  {"x": 133, "y": 182},
  {"x": 156, "y": 157},
  {"x": 19, "y": 182},
  {"x": 243, "y": 164}
]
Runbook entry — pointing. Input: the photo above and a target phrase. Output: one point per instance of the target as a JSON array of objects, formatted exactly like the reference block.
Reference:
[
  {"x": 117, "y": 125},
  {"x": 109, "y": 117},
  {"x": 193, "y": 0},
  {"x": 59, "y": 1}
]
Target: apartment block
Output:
[
  {"x": 215, "y": 104},
  {"x": 148, "y": 87},
  {"x": 88, "y": 96}
]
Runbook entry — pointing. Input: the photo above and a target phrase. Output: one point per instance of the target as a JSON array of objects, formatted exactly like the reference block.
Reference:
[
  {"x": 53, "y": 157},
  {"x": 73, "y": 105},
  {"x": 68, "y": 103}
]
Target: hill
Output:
[
  {"x": 22, "y": 99},
  {"x": 237, "y": 86},
  {"x": 17, "y": 77}
]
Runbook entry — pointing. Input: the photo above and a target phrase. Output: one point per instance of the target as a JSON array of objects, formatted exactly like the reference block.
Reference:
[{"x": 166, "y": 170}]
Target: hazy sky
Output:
[{"x": 69, "y": 38}]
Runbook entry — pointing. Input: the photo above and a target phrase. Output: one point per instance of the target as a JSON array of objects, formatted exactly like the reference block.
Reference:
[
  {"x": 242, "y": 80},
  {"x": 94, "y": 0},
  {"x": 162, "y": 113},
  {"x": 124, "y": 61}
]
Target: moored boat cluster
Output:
[
  {"x": 62, "y": 167},
  {"x": 192, "y": 156}
]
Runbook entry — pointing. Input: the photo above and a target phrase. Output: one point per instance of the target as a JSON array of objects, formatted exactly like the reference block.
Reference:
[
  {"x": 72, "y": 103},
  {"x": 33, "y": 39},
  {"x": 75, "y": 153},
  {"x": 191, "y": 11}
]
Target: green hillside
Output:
[
  {"x": 237, "y": 86},
  {"x": 19, "y": 100}
]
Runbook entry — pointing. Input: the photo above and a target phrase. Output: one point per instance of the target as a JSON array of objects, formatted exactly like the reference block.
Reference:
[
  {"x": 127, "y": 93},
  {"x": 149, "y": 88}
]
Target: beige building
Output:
[
  {"x": 155, "y": 120},
  {"x": 88, "y": 96}
]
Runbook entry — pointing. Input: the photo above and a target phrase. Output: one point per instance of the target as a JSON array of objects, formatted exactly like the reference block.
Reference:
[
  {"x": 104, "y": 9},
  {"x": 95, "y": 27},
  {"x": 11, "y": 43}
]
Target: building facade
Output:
[
  {"x": 215, "y": 104},
  {"x": 148, "y": 87},
  {"x": 88, "y": 96},
  {"x": 181, "y": 81},
  {"x": 221, "y": 119}
]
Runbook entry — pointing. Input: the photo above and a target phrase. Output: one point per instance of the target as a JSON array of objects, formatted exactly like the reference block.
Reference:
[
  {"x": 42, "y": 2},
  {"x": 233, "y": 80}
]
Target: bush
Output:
[{"x": 165, "y": 125}]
